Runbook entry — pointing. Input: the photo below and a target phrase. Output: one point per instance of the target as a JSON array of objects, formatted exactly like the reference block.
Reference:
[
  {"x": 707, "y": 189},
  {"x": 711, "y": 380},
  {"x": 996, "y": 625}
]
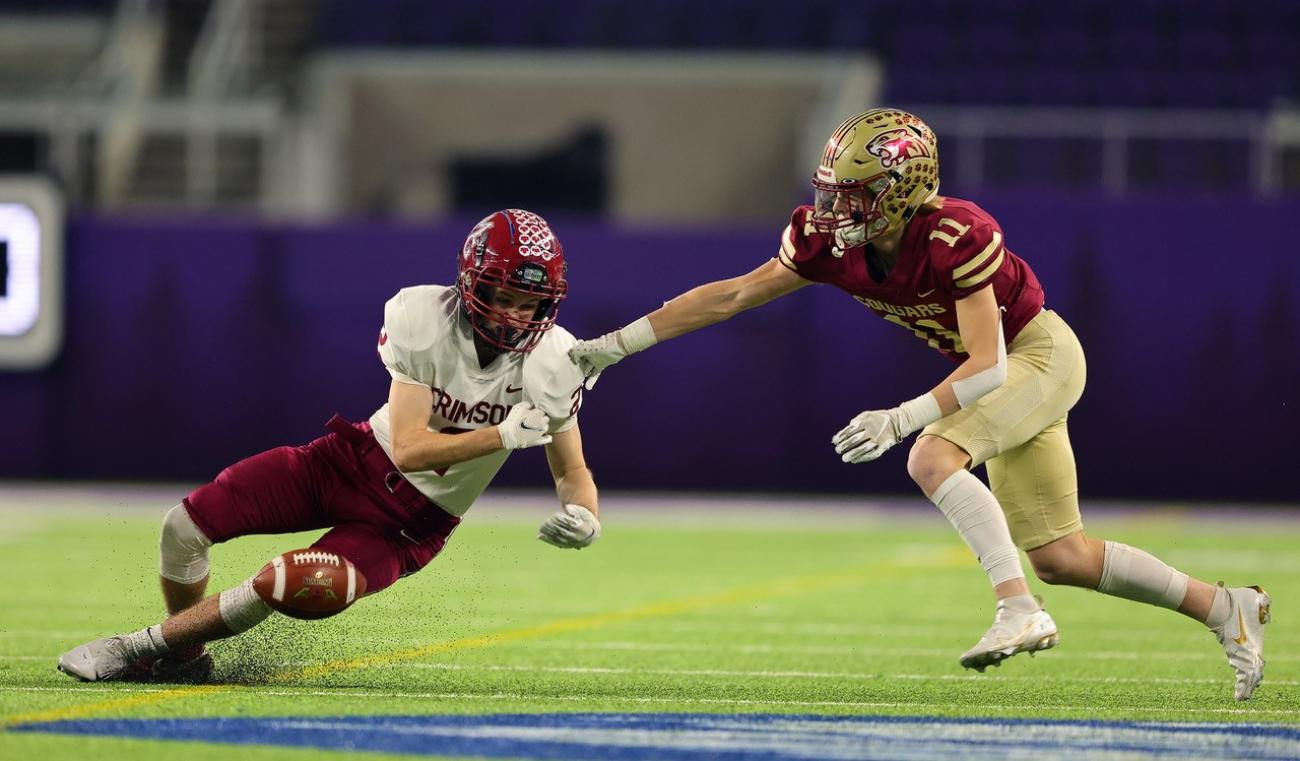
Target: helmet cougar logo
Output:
[
  {"x": 896, "y": 146},
  {"x": 878, "y": 168}
]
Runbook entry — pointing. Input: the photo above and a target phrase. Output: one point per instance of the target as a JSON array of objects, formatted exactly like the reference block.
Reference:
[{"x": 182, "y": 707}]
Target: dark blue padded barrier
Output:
[
  {"x": 1149, "y": 53},
  {"x": 192, "y": 343},
  {"x": 53, "y": 7}
]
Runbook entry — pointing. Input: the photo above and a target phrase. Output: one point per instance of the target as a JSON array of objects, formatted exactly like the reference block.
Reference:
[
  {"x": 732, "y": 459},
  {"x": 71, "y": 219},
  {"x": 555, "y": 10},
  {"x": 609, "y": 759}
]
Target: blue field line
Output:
[{"x": 726, "y": 737}]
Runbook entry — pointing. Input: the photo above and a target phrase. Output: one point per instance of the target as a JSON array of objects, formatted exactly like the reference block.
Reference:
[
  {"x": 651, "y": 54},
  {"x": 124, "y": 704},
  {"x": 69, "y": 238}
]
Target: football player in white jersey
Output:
[{"x": 478, "y": 370}]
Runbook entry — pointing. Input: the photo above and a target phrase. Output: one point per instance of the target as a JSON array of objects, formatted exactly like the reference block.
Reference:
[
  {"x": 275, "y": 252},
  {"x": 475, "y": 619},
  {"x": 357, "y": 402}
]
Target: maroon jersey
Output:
[{"x": 944, "y": 255}]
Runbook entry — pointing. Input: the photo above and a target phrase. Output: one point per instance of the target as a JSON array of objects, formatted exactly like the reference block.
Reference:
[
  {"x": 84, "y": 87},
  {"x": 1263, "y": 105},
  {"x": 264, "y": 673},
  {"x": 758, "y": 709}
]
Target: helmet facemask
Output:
[
  {"x": 878, "y": 168},
  {"x": 504, "y": 330},
  {"x": 515, "y": 250},
  {"x": 850, "y": 211}
]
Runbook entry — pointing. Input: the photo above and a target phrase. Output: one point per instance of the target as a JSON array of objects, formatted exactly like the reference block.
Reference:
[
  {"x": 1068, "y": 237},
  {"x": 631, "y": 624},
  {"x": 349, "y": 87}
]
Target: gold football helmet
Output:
[{"x": 877, "y": 170}]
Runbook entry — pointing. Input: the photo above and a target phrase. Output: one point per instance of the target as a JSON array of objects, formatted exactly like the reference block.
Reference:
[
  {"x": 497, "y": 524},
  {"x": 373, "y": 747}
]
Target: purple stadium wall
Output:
[{"x": 193, "y": 343}]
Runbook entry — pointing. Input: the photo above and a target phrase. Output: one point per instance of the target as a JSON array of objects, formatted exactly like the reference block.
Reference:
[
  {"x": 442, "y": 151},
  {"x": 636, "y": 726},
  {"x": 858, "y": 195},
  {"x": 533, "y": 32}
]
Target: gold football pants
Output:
[{"x": 1018, "y": 432}]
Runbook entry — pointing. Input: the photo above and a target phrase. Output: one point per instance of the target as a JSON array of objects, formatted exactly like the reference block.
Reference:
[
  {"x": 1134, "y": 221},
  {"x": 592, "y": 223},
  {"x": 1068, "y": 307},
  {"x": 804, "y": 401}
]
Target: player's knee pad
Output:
[
  {"x": 241, "y": 608},
  {"x": 183, "y": 548}
]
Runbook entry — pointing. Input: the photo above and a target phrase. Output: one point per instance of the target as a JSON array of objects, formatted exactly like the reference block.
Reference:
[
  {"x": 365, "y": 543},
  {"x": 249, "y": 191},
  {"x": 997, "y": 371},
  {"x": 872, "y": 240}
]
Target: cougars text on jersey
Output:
[{"x": 945, "y": 255}]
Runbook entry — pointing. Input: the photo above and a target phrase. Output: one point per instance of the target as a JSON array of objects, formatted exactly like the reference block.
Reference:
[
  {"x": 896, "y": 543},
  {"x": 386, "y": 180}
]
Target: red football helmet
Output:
[{"x": 516, "y": 250}]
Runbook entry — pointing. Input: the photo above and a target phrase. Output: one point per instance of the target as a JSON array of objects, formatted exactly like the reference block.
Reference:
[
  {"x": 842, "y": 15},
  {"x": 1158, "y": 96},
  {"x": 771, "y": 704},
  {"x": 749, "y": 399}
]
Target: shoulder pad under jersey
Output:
[
  {"x": 964, "y": 244},
  {"x": 552, "y": 381},
  {"x": 414, "y": 323},
  {"x": 803, "y": 249}
]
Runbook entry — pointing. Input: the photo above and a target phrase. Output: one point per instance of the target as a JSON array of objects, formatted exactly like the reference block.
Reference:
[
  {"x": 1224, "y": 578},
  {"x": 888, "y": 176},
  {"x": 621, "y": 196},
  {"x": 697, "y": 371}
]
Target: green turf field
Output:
[{"x": 687, "y": 611}]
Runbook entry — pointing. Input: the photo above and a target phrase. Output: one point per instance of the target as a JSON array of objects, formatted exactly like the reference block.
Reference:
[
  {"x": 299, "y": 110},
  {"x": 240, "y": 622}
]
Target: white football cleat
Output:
[
  {"x": 98, "y": 661},
  {"x": 1011, "y": 633},
  {"x": 1242, "y": 636}
]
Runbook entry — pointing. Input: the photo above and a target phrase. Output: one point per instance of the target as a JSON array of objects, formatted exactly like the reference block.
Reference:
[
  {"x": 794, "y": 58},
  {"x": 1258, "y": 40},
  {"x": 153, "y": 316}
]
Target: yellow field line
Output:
[
  {"x": 73, "y": 712},
  {"x": 778, "y": 588}
]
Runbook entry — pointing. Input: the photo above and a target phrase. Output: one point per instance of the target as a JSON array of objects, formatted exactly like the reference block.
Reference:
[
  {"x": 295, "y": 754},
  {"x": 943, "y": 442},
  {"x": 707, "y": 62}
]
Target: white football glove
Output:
[
  {"x": 574, "y": 527},
  {"x": 525, "y": 426},
  {"x": 592, "y": 357},
  {"x": 867, "y": 436},
  {"x": 872, "y": 433}
]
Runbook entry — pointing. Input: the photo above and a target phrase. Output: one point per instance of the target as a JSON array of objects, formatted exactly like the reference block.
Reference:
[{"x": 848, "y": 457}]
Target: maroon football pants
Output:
[{"x": 342, "y": 481}]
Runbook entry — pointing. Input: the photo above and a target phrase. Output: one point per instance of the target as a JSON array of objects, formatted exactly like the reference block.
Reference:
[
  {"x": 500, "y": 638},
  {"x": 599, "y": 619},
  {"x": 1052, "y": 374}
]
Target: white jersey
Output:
[{"x": 426, "y": 341}]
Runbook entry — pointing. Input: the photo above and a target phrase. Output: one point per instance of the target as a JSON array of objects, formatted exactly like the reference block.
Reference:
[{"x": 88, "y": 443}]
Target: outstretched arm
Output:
[
  {"x": 576, "y": 524},
  {"x": 697, "y": 308},
  {"x": 714, "y": 302}
]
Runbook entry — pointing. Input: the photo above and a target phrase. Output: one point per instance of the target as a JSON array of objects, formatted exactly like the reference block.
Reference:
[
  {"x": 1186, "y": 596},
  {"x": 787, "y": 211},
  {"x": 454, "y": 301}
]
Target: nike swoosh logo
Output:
[
  {"x": 927, "y": 293},
  {"x": 1008, "y": 640},
  {"x": 1241, "y": 637},
  {"x": 528, "y": 427},
  {"x": 408, "y": 537},
  {"x": 513, "y": 389}
]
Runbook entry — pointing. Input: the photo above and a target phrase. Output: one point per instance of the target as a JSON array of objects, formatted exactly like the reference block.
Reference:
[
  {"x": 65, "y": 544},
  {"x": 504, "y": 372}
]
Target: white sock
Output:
[
  {"x": 241, "y": 609},
  {"x": 1136, "y": 575},
  {"x": 1020, "y": 604},
  {"x": 146, "y": 642},
  {"x": 973, "y": 510},
  {"x": 1220, "y": 608}
]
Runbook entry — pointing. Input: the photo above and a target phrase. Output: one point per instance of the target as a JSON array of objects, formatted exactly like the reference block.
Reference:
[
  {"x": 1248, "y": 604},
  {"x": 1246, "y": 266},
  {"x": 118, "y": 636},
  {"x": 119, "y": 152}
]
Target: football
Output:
[{"x": 309, "y": 583}]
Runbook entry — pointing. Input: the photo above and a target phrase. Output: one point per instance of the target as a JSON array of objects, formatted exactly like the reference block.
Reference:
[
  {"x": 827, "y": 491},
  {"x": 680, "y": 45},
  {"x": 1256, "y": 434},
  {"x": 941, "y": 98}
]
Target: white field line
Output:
[
  {"x": 834, "y": 650},
  {"x": 51, "y": 633},
  {"x": 815, "y": 674},
  {"x": 1212, "y": 655},
  {"x": 731, "y": 626},
  {"x": 910, "y": 652},
  {"x": 905, "y": 652},
  {"x": 727, "y": 626},
  {"x": 358, "y": 627},
  {"x": 849, "y": 675},
  {"x": 347, "y": 694}
]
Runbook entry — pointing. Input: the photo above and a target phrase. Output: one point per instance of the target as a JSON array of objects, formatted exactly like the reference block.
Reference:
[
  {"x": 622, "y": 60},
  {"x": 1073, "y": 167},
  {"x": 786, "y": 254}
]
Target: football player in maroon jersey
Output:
[
  {"x": 938, "y": 267},
  {"x": 478, "y": 370}
]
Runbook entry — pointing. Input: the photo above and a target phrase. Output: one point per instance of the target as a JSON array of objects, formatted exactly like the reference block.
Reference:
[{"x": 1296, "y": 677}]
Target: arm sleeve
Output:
[{"x": 395, "y": 342}]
